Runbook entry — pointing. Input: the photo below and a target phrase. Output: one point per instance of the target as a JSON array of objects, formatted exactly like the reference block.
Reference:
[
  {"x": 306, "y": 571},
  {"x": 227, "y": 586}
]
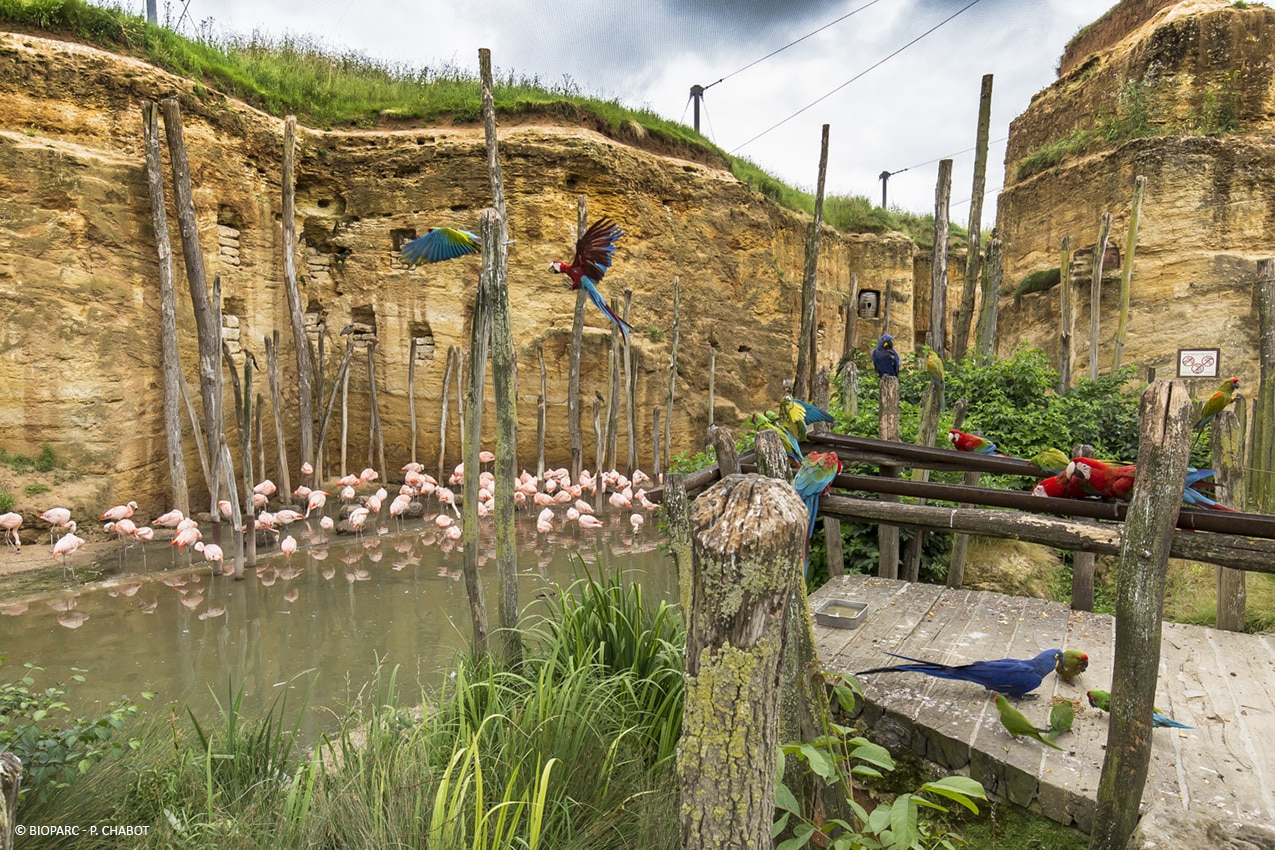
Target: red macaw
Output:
[
  {"x": 1115, "y": 482},
  {"x": 1061, "y": 487},
  {"x": 440, "y": 243},
  {"x": 1217, "y": 402},
  {"x": 970, "y": 442},
  {"x": 594, "y": 250},
  {"x": 812, "y": 481}
]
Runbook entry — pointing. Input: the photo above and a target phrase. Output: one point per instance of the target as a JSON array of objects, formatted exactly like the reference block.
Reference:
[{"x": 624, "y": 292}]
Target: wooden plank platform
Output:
[{"x": 1223, "y": 683}]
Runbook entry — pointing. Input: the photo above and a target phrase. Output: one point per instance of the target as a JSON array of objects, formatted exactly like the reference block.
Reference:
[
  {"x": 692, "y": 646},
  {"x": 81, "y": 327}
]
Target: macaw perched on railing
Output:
[
  {"x": 964, "y": 442},
  {"x": 796, "y": 415},
  {"x": 440, "y": 243},
  {"x": 812, "y": 481},
  {"x": 594, "y": 251}
]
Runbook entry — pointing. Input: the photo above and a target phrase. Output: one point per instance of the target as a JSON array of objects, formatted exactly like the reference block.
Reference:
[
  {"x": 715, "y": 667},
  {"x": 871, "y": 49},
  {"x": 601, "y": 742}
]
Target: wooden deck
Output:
[{"x": 1222, "y": 683}]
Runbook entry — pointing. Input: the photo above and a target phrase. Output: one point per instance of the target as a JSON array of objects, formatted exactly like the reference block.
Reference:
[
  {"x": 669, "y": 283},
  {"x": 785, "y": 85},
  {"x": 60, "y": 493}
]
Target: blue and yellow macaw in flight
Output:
[
  {"x": 440, "y": 243},
  {"x": 594, "y": 251},
  {"x": 795, "y": 415}
]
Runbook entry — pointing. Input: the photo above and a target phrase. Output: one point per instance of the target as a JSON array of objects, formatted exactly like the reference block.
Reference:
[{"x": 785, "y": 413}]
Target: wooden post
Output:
[
  {"x": 1066, "y": 325},
  {"x": 1164, "y": 445},
  {"x": 677, "y": 520},
  {"x": 747, "y": 531},
  {"x": 807, "y": 342},
  {"x": 723, "y": 443},
  {"x": 495, "y": 278},
  {"x": 473, "y": 414},
  {"x": 992, "y": 271},
  {"x": 973, "y": 259},
  {"x": 1228, "y": 460},
  {"x": 820, "y": 391},
  {"x": 341, "y": 374},
  {"x": 573, "y": 375},
  {"x": 1262, "y": 482},
  {"x": 599, "y": 449},
  {"x": 442, "y": 417},
  {"x": 960, "y": 541},
  {"x": 888, "y": 535},
  {"x": 207, "y": 326},
  {"x": 319, "y": 464},
  {"x": 938, "y": 269},
  {"x": 345, "y": 420},
  {"x": 1095, "y": 292},
  {"x": 179, "y": 489},
  {"x": 613, "y": 390},
  {"x": 460, "y": 395},
  {"x": 376, "y": 410},
  {"x": 227, "y": 469},
  {"x": 772, "y": 458},
  {"x": 541, "y": 412},
  {"x": 1126, "y": 272},
  {"x": 411, "y": 393},
  {"x": 849, "y": 371},
  {"x": 931, "y": 407},
  {"x": 205, "y": 462},
  {"x": 1082, "y": 562},
  {"x": 10, "y": 785},
  {"x": 672, "y": 370},
  {"x": 657, "y": 469},
  {"x": 259, "y": 438},
  {"x": 305, "y": 369},
  {"x": 249, "y": 522},
  {"x": 712, "y": 379},
  {"x": 630, "y": 387}
]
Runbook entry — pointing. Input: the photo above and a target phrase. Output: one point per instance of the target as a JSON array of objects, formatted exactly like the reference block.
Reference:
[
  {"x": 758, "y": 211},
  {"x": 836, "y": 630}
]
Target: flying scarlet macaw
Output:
[
  {"x": 440, "y": 243},
  {"x": 884, "y": 358},
  {"x": 594, "y": 250},
  {"x": 964, "y": 442},
  {"x": 812, "y": 481}
]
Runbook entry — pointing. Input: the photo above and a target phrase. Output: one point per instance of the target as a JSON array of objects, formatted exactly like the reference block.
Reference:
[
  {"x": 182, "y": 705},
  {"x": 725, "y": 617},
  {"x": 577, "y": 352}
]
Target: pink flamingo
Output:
[
  {"x": 368, "y": 474},
  {"x": 636, "y": 520},
  {"x": 288, "y": 547},
  {"x": 169, "y": 520},
  {"x": 589, "y": 521},
  {"x": 413, "y": 466},
  {"x": 318, "y": 498},
  {"x": 265, "y": 488},
  {"x": 10, "y": 522},
  {"x": 66, "y": 546},
  {"x": 56, "y": 517},
  {"x": 307, "y": 469},
  {"x": 212, "y": 554},
  {"x": 118, "y": 512},
  {"x": 447, "y": 497},
  {"x": 443, "y": 521},
  {"x": 357, "y": 517}
]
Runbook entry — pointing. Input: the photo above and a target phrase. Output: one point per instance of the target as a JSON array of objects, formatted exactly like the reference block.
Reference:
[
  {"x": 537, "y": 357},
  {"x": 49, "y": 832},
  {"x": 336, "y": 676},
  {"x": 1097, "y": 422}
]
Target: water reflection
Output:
[{"x": 339, "y": 603}]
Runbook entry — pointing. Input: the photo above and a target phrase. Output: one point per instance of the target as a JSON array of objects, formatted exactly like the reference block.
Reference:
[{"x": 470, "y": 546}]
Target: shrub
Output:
[
  {"x": 35, "y": 488},
  {"x": 1038, "y": 281},
  {"x": 44, "y": 461},
  {"x": 6, "y": 501}
]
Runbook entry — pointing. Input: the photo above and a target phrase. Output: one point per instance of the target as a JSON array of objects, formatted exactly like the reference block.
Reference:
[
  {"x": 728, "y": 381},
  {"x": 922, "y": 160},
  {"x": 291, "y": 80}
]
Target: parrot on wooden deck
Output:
[
  {"x": 1102, "y": 700},
  {"x": 1072, "y": 664},
  {"x": 594, "y": 251},
  {"x": 440, "y": 243},
  {"x": 964, "y": 442},
  {"x": 1217, "y": 402},
  {"x": 812, "y": 481},
  {"x": 1114, "y": 482},
  {"x": 884, "y": 357},
  {"x": 1015, "y": 677},
  {"x": 1016, "y": 723},
  {"x": 1051, "y": 460},
  {"x": 1061, "y": 718}
]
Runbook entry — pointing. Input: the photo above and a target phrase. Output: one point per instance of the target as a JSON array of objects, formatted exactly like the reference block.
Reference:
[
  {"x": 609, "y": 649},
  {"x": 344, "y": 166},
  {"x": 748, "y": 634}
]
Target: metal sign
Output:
[{"x": 1198, "y": 362}]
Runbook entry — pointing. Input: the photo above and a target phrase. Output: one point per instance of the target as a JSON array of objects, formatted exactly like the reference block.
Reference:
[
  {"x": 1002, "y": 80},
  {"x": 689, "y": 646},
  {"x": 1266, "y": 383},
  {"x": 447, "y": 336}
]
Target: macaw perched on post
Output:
[
  {"x": 934, "y": 367},
  {"x": 594, "y": 251},
  {"x": 1061, "y": 486},
  {"x": 1217, "y": 402},
  {"x": 763, "y": 423},
  {"x": 795, "y": 415},
  {"x": 1015, "y": 677},
  {"x": 1051, "y": 460},
  {"x": 964, "y": 442},
  {"x": 1072, "y": 664},
  {"x": 440, "y": 243},
  {"x": 1102, "y": 700},
  {"x": 884, "y": 358},
  {"x": 1016, "y": 723},
  {"x": 812, "y": 481}
]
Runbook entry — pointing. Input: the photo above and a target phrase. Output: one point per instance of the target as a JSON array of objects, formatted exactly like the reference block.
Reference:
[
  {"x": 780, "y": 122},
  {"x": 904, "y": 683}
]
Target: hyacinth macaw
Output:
[
  {"x": 1113, "y": 482},
  {"x": 1061, "y": 486},
  {"x": 793, "y": 450},
  {"x": 594, "y": 252},
  {"x": 964, "y": 442},
  {"x": 884, "y": 358},
  {"x": 1196, "y": 499},
  {"x": 1017, "y": 724},
  {"x": 812, "y": 481},
  {"x": 795, "y": 415},
  {"x": 440, "y": 243},
  {"x": 1051, "y": 460},
  {"x": 1102, "y": 700},
  {"x": 1217, "y": 402},
  {"x": 1072, "y": 664},
  {"x": 1015, "y": 677}
]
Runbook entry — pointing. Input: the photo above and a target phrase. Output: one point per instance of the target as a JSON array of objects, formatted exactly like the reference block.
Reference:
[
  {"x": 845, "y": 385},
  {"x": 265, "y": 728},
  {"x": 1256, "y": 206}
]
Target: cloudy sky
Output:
[{"x": 886, "y": 112}]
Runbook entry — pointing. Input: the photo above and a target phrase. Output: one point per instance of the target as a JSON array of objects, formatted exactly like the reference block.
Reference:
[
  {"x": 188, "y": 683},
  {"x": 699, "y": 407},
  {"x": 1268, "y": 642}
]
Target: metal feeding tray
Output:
[{"x": 841, "y": 613}]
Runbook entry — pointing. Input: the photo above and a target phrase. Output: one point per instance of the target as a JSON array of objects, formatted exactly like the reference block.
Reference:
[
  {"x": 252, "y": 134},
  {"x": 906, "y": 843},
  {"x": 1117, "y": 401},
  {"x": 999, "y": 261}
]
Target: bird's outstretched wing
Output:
[
  {"x": 595, "y": 248},
  {"x": 440, "y": 243}
]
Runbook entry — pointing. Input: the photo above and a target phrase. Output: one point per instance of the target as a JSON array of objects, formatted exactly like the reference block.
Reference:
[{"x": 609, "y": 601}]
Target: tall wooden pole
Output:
[
  {"x": 342, "y": 371},
  {"x": 849, "y": 371},
  {"x": 613, "y": 391},
  {"x": 1126, "y": 272},
  {"x": 1163, "y": 449},
  {"x": 712, "y": 379},
  {"x": 1082, "y": 562},
  {"x": 375, "y": 407},
  {"x": 656, "y": 467},
  {"x": 473, "y": 412},
  {"x": 973, "y": 260},
  {"x": 1066, "y": 325},
  {"x": 249, "y": 524},
  {"x": 305, "y": 369},
  {"x": 541, "y": 412},
  {"x": 938, "y": 269},
  {"x": 1228, "y": 460},
  {"x": 672, "y": 369},
  {"x": 888, "y": 535},
  {"x": 442, "y": 416},
  {"x": 573, "y": 375},
  {"x": 411, "y": 393},
  {"x": 630, "y": 387},
  {"x": 985, "y": 339},
  {"x": 1095, "y": 292},
  {"x": 807, "y": 342},
  {"x": 271, "y": 342},
  {"x": 179, "y": 488},
  {"x": 1262, "y": 481}
]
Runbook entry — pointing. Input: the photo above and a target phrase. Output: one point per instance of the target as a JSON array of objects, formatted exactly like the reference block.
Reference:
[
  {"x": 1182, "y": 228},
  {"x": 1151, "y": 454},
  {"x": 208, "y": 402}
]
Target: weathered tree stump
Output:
[
  {"x": 677, "y": 520},
  {"x": 1228, "y": 460},
  {"x": 748, "y": 537},
  {"x": 772, "y": 460},
  {"x": 10, "y": 784},
  {"x": 1164, "y": 446},
  {"x": 723, "y": 443}
]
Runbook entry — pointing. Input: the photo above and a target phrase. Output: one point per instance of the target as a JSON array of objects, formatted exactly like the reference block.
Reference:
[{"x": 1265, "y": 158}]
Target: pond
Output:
[{"x": 393, "y": 596}]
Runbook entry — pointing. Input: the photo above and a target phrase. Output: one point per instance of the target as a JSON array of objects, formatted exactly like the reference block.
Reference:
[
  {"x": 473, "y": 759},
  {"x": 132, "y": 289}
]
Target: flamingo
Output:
[
  {"x": 169, "y": 520},
  {"x": 326, "y": 523},
  {"x": 307, "y": 469},
  {"x": 318, "y": 498},
  {"x": 265, "y": 488},
  {"x": 443, "y": 521},
  {"x": 10, "y": 522},
  {"x": 66, "y": 546},
  {"x": 368, "y": 474},
  {"x": 399, "y": 506},
  {"x": 302, "y": 493},
  {"x": 486, "y": 457},
  {"x": 413, "y": 466},
  {"x": 212, "y": 554},
  {"x": 56, "y": 517},
  {"x": 288, "y": 547},
  {"x": 357, "y": 517},
  {"x": 589, "y": 521},
  {"x": 583, "y": 507},
  {"x": 453, "y": 532},
  {"x": 347, "y": 494},
  {"x": 225, "y": 509},
  {"x": 287, "y": 516},
  {"x": 447, "y": 497},
  {"x": 636, "y": 520},
  {"x": 118, "y": 512}
]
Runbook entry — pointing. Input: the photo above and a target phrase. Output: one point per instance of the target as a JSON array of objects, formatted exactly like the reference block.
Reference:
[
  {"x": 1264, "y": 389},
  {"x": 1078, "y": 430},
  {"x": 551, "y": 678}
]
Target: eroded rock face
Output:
[
  {"x": 79, "y": 294},
  {"x": 1208, "y": 214}
]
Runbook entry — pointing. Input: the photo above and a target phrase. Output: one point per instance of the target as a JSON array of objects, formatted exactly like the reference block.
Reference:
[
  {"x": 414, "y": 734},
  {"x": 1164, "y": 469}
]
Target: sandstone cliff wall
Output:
[
  {"x": 1209, "y": 209},
  {"x": 79, "y": 301}
]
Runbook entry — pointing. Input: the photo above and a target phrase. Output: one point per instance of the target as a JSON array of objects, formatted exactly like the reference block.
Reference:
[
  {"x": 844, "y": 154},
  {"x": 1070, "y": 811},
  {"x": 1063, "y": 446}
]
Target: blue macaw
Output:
[
  {"x": 812, "y": 481},
  {"x": 594, "y": 252},
  {"x": 440, "y": 243},
  {"x": 884, "y": 358},
  {"x": 1015, "y": 677},
  {"x": 1195, "y": 498}
]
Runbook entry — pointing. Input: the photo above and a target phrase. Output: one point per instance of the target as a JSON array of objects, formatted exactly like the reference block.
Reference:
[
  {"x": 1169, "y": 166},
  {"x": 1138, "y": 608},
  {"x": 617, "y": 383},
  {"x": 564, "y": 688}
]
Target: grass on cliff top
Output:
[{"x": 326, "y": 88}]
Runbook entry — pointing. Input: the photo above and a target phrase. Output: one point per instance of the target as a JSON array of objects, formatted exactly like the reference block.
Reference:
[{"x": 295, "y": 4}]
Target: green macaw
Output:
[
  {"x": 1051, "y": 460},
  {"x": 1016, "y": 723},
  {"x": 1072, "y": 664},
  {"x": 1102, "y": 700},
  {"x": 1217, "y": 402}
]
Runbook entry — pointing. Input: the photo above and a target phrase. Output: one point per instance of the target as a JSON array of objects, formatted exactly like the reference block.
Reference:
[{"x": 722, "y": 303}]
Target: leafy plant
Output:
[
  {"x": 44, "y": 461},
  {"x": 35, "y": 488},
  {"x": 1038, "y": 281},
  {"x": 6, "y": 500}
]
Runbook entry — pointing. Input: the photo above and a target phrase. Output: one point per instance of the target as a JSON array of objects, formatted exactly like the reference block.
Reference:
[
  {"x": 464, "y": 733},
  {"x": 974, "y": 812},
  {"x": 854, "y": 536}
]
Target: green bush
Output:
[
  {"x": 44, "y": 461},
  {"x": 6, "y": 501},
  {"x": 35, "y": 488},
  {"x": 1038, "y": 281}
]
